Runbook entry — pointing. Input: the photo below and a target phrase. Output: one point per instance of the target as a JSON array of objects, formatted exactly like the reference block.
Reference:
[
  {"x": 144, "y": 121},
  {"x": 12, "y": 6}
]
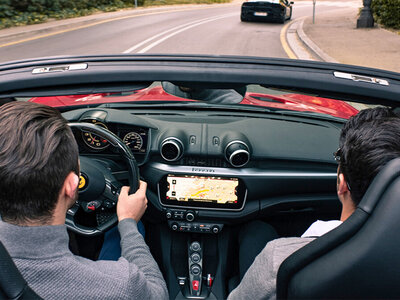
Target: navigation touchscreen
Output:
[{"x": 202, "y": 191}]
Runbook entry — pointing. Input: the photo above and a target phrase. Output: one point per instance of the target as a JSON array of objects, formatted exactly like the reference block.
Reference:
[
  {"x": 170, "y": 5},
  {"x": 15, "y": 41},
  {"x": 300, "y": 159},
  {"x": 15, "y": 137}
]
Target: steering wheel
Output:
[{"x": 98, "y": 188}]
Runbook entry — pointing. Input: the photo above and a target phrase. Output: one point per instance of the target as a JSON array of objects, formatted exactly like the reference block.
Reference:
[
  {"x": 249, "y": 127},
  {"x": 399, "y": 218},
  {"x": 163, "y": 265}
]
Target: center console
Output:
[
  {"x": 184, "y": 195},
  {"x": 183, "y": 198}
]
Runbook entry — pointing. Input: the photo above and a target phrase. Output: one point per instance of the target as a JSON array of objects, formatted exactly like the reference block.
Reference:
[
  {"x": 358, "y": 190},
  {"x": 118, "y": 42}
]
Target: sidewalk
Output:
[{"x": 337, "y": 39}]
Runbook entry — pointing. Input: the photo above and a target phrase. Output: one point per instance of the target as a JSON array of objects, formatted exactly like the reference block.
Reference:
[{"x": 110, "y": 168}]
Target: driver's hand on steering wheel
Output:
[{"x": 132, "y": 206}]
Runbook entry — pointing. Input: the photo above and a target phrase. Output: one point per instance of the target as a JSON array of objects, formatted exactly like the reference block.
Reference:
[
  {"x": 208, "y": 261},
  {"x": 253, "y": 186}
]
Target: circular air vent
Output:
[
  {"x": 237, "y": 153},
  {"x": 171, "y": 149}
]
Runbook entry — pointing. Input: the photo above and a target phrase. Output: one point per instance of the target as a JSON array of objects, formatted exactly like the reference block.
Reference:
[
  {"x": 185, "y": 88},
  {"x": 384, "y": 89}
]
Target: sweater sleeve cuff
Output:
[{"x": 127, "y": 225}]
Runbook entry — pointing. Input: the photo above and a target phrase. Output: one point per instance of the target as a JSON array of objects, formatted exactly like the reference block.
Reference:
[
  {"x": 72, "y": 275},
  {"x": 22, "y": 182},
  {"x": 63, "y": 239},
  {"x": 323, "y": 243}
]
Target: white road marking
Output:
[
  {"x": 160, "y": 34},
  {"x": 175, "y": 30}
]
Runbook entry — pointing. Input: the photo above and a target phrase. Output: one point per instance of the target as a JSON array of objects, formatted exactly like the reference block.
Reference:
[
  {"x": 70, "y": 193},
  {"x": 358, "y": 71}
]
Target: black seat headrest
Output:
[{"x": 360, "y": 258}]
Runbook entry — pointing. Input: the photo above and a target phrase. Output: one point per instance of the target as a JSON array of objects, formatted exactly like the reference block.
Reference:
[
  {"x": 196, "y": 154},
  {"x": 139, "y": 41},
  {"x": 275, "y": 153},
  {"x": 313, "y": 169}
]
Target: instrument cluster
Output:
[{"x": 134, "y": 137}]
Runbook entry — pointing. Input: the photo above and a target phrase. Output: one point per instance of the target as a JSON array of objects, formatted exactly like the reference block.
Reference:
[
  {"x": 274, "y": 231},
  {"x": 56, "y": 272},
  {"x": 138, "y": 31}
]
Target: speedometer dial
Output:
[
  {"x": 94, "y": 141},
  {"x": 133, "y": 140}
]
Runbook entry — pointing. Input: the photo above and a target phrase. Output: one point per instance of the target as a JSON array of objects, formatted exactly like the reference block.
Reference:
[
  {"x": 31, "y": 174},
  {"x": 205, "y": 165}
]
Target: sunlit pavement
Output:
[{"x": 334, "y": 33}]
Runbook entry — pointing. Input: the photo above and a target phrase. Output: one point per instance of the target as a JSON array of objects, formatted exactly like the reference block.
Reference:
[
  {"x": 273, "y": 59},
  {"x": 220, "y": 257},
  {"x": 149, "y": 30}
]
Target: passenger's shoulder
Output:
[
  {"x": 289, "y": 242},
  {"x": 279, "y": 249},
  {"x": 283, "y": 247}
]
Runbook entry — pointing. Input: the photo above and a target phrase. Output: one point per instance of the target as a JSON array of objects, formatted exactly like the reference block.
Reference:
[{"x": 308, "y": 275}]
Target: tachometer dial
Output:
[
  {"x": 94, "y": 141},
  {"x": 133, "y": 140}
]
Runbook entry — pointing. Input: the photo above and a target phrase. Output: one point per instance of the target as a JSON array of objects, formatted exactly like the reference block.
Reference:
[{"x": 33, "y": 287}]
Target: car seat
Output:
[
  {"x": 360, "y": 258},
  {"x": 12, "y": 284}
]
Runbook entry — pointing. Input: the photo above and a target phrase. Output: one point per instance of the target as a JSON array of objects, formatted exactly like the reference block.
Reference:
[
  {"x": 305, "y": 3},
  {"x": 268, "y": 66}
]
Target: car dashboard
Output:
[{"x": 207, "y": 168}]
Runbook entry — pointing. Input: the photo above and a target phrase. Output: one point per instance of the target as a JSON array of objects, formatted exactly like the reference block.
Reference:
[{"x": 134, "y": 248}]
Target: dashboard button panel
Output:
[
  {"x": 180, "y": 215},
  {"x": 196, "y": 227}
]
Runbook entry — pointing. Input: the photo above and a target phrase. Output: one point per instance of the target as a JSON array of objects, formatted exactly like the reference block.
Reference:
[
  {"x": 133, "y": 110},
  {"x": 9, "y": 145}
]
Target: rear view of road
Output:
[{"x": 213, "y": 29}]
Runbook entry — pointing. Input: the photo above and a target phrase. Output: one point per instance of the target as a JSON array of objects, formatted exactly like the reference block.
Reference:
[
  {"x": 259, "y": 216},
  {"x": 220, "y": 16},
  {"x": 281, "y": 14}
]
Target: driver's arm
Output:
[{"x": 146, "y": 279}]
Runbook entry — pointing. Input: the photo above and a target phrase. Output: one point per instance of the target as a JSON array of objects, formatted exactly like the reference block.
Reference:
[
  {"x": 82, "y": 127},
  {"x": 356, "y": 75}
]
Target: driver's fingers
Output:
[
  {"x": 141, "y": 192},
  {"x": 124, "y": 190},
  {"x": 142, "y": 189}
]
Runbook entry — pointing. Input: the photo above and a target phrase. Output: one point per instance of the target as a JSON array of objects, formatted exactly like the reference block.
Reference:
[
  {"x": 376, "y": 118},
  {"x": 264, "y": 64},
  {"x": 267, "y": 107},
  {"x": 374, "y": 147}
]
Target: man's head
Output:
[
  {"x": 37, "y": 153},
  {"x": 368, "y": 141}
]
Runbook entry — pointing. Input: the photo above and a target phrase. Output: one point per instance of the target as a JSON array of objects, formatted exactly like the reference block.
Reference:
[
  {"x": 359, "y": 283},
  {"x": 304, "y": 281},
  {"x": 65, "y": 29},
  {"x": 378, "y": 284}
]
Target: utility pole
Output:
[{"x": 313, "y": 14}]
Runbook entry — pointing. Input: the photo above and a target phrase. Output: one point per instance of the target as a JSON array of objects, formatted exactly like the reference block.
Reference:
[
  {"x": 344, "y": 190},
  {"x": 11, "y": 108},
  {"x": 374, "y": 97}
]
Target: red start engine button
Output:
[{"x": 195, "y": 285}]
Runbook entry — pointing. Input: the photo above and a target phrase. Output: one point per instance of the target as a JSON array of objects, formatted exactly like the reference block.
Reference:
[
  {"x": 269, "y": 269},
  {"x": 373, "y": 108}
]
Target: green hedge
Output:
[
  {"x": 21, "y": 12},
  {"x": 387, "y": 12},
  {"x": 45, "y": 6}
]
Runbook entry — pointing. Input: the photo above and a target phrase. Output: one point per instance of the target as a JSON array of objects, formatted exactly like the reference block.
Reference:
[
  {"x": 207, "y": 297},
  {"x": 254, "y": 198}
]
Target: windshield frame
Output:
[{"x": 117, "y": 72}]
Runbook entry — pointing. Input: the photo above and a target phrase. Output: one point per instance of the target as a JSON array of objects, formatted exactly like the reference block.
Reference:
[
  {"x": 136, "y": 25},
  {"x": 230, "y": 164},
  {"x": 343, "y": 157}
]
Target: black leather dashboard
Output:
[{"x": 290, "y": 158}]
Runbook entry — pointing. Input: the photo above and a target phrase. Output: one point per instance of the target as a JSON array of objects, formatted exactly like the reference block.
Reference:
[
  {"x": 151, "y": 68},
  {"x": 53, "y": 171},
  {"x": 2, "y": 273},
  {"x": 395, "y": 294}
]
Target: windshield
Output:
[{"x": 330, "y": 31}]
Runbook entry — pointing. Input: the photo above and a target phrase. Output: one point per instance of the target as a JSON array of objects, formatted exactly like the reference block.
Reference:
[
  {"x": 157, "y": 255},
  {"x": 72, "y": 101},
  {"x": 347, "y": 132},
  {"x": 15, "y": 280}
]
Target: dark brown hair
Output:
[
  {"x": 368, "y": 141},
  {"x": 37, "y": 152}
]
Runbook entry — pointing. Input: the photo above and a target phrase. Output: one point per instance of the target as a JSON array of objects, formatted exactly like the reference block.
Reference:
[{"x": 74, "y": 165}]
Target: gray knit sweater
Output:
[
  {"x": 259, "y": 282},
  {"x": 53, "y": 272}
]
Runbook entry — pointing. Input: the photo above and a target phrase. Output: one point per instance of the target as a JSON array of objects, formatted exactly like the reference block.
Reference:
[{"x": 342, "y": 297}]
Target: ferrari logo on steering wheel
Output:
[{"x": 82, "y": 182}]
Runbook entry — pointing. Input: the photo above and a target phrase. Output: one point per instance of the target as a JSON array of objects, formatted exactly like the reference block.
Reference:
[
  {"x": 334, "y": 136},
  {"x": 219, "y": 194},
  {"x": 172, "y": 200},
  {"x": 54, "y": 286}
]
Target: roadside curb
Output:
[
  {"x": 296, "y": 48},
  {"x": 312, "y": 46},
  {"x": 310, "y": 50}
]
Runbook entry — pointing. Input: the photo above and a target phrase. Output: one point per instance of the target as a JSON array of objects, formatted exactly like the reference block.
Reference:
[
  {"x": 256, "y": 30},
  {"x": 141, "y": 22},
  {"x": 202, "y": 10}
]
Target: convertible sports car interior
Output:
[{"x": 220, "y": 141}]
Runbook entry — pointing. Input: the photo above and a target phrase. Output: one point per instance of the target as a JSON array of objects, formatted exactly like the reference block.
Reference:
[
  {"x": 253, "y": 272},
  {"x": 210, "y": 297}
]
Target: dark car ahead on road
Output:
[{"x": 272, "y": 10}]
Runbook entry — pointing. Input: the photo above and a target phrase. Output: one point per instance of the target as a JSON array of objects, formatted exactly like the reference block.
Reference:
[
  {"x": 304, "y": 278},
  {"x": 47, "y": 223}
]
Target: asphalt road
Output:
[{"x": 214, "y": 29}]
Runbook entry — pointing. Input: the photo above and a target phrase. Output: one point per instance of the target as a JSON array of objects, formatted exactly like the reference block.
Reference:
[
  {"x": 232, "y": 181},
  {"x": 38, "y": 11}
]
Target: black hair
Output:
[
  {"x": 37, "y": 152},
  {"x": 368, "y": 141}
]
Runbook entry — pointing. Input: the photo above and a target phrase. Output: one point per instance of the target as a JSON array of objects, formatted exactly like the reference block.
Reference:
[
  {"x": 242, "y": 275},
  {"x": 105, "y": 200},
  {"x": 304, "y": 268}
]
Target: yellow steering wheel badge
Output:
[{"x": 82, "y": 182}]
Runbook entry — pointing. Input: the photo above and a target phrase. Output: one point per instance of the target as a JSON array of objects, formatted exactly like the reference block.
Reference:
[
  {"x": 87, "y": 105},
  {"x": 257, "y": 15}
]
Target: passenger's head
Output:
[
  {"x": 37, "y": 153},
  {"x": 368, "y": 141}
]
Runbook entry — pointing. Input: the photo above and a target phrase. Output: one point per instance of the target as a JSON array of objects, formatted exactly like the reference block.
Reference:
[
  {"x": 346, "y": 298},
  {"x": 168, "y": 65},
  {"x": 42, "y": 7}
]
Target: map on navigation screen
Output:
[{"x": 205, "y": 189}]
